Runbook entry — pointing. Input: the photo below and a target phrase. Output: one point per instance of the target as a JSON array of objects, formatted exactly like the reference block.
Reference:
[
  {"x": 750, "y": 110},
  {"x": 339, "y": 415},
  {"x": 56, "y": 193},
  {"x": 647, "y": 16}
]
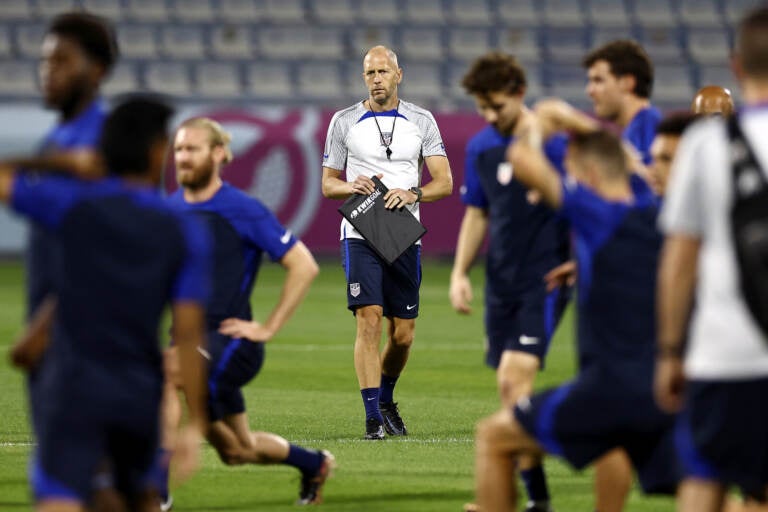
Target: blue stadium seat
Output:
[
  {"x": 111, "y": 9},
  {"x": 422, "y": 43},
  {"x": 521, "y": 42},
  {"x": 430, "y": 12},
  {"x": 469, "y": 12},
  {"x": 566, "y": 43},
  {"x": 230, "y": 41},
  {"x": 334, "y": 12},
  {"x": 363, "y": 38},
  {"x": 735, "y": 9},
  {"x": 286, "y": 11},
  {"x": 607, "y": 13},
  {"x": 137, "y": 41},
  {"x": 518, "y": 13},
  {"x": 569, "y": 13},
  {"x": 326, "y": 43},
  {"x": 718, "y": 75},
  {"x": 422, "y": 83},
  {"x": 241, "y": 11},
  {"x": 655, "y": 13},
  {"x": 468, "y": 43},
  {"x": 28, "y": 39},
  {"x": 700, "y": 13},
  {"x": 218, "y": 80},
  {"x": 603, "y": 35},
  {"x": 269, "y": 80},
  {"x": 663, "y": 43},
  {"x": 124, "y": 78},
  {"x": 19, "y": 78},
  {"x": 6, "y": 42},
  {"x": 147, "y": 10},
  {"x": 672, "y": 85},
  {"x": 320, "y": 81},
  {"x": 170, "y": 78},
  {"x": 379, "y": 12},
  {"x": 284, "y": 42},
  {"x": 15, "y": 10},
  {"x": 192, "y": 10},
  {"x": 566, "y": 80},
  {"x": 49, "y": 8},
  {"x": 709, "y": 45},
  {"x": 182, "y": 42}
]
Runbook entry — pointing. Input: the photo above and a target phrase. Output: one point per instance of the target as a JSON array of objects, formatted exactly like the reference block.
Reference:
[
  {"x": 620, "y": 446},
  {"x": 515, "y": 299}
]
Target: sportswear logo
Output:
[
  {"x": 354, "y": 289},
  {"x": 372, "y": 398},
  {"x": 286, "y": 237},
  {"x": 528, "y": 340},
  {"x": 504, "y": 173},
  {"x": 204, "y": 353},
  {"x": 325, "y": 156},
  {"x": 410, "y": 307}
]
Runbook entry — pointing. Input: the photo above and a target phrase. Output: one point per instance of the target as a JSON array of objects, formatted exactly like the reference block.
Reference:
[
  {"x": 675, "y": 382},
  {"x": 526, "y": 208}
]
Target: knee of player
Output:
[
  {"x": 369, "y": 320},
  {"x": 403, "y": 338}
]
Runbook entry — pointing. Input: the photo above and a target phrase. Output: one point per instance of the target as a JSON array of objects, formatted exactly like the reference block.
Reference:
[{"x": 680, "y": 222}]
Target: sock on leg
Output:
[
  {"x": 371, "y": 403},
  {"x": 306, "y": 461},
  {"x": 387, "y": 388},
  {"x": 536, "y": 485}
]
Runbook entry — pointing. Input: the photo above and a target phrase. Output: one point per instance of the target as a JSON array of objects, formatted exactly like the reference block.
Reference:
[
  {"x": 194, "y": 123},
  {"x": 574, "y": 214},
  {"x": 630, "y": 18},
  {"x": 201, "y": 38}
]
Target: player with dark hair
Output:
[
  {"x": 609, "y": 404},
  {"x": 664, "y": 147},
  {"x": 620, "y": 82},
  {"x": 127, "y": 255},
  {"x": 712, "y": 366},
  {"x": 713, "y": 99},
  {"x": 393, "y": 139},
  {"x": 526, "y": 241},
  {"x": 242, "y": 230}
]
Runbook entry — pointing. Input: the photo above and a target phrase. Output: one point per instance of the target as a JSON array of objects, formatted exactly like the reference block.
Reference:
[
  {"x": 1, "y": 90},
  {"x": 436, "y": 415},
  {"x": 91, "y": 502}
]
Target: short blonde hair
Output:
[{"x": 218, "y": 136}]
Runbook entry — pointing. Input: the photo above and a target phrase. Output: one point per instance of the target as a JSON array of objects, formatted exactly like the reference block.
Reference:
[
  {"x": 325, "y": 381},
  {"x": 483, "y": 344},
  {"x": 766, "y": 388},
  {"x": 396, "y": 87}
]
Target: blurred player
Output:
[
  {"x": 526, "y": 241},
  {"x": 126, "y": 255},
  {"x": 664, "y": 147},
  {"x": 713, "y": 99},
  {"x": 386, "y": 137},
  {"x": 242, "y": 230},
  {"x": 610, "y": 403},
  {"x": 722, "y": 431}
]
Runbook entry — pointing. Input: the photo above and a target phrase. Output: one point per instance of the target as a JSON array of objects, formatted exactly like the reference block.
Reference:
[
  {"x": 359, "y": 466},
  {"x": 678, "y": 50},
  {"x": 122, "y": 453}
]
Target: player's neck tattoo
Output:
[{"x": 384, "y": 141}]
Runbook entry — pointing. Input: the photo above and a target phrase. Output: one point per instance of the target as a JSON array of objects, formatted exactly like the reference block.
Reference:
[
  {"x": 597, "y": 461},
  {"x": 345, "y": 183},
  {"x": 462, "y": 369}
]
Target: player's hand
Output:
[
  {"x": 186, "y": 454},
  {"x": 238, "y": 328},
  {"x": 460, "y": 293},
  {"x": 556, "y": 114},
  {"x": 562, "y": 275},
  {"x": 364, "y": 185},
  {"x": 669, "y": 383},
  {"x": 397, "y": 198}
]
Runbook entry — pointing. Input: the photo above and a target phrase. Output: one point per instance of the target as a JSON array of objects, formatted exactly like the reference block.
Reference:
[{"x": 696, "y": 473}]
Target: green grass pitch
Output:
[{"x": 307, "y": 392}]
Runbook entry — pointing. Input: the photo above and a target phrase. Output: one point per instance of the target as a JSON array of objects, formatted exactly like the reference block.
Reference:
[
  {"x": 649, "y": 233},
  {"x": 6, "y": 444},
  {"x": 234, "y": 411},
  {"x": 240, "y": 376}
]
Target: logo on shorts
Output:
[
  {"x": 528, "y": 340},
  {"x": 504, "y": 173},
  {"x": 409, "y": 307},
  {"x": 354, "y": 289}
]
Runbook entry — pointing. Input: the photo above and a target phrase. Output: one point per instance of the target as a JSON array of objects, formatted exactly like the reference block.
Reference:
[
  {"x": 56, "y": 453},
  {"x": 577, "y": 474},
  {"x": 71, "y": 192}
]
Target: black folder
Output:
[{"x": 389, "y": 232}]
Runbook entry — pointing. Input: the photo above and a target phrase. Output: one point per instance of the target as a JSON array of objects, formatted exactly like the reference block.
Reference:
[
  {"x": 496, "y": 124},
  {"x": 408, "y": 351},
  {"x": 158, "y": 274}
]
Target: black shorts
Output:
[
  {"x": 371, "y": 281},
  {"x": 722, "y": 433},
  {"x": 595, "y": 413},
  {"x": 525, "y": 324},
  {"x": 234, "y": 363}
]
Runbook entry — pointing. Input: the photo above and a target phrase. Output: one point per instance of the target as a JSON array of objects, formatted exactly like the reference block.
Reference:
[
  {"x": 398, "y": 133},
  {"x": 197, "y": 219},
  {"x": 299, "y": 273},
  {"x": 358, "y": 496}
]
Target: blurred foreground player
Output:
[
  {"x": 242, "y": 230},
  {"x": 125, "y": 255},
  {"x": 610, "y": 402},
  {"x": 713, "y": 99}
]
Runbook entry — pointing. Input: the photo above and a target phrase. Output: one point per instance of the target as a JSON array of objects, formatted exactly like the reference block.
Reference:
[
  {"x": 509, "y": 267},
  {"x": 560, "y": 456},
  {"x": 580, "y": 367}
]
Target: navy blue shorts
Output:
[
  {"x": 371, "y": 281},
  {"x": 525, "y": 324},
  {"x": 234, "y": 363},
  {"x": 595, "y": 413},
  {"x": 76, "y": 438},
  {"x": 722, "y": 433}
]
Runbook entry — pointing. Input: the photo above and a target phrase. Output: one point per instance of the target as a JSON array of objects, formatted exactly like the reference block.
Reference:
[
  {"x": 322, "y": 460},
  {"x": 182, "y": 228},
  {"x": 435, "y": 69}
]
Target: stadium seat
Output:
[
  {"x": 15, "y": 10},
  {"x": 518, "y": 13},
  {"x": 49, "y": 8},
  {"x": 137, "y": 41},
  {"x": 218, "y": 79},
  {"x": 655, "y": 13},
  {"x": 19, "y": 78},
  {"x": 735, "y": 9},
  {"x": 320, "y": 81},
  {"x": 422, "y": 43},
  {"x": 123, "y": 78},
  {"x": 147, "y": 10},
  {"x": 709, "y": 45},
  {"x": 423, "y": 83},
  {"x": 363, "y": 39},
  {"x": 241, "y": 11},
  {"x": 430, "y": 12},
  {"x": 560, "y": 13},
  {"x": 379, "y": 12},
  {"x": 602, "y": 35},
  {"x": 192, "y": 10},
  {"x": 111, "y": 9},
  {"x": 718, "y": 75},
  {"x": 28, "y": 39},
  {"x": 662, "y": 43},
  {"x": 269, "y": 80},
  {"x": 326, "y": 43},
  {"x": 333, "y": 12},
  {"x": 698, "y": 13},
  {"x": 468, "y": 43},
  {"x": 607, "y": 13},
  {"x": 285, "y": 11},
  {"x": 565, "y": 43},
  {"x": 470, "y": 12},
  {"x": 6, "y": 45},
  {"x": 521, "y": 42},
  {"x": 168, "y": 78},
  {"x": 182, "y": 41},
  {"x": 232, "y": 41},
  {"x": 567, "y": 80},
  {"x": 284, "y": 42},
  {"x": 672, "y": 86}
]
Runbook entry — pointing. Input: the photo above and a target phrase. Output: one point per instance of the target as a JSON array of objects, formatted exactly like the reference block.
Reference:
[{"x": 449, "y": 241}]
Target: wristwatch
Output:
[{"x": 417, "y": 191}]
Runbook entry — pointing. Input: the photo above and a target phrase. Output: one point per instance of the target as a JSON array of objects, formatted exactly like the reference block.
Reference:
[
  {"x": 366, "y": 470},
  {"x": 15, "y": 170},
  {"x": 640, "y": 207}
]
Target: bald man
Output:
[
  {"x": 386, "y": 137},
  {"x": 713, "y": 99}
]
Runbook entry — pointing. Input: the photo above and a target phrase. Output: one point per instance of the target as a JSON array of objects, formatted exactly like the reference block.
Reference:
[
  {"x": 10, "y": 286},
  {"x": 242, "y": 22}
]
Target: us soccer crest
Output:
[
  {"x": 504, "y": 173},
  {"x": 354, "y": 289},
  {"x": 386, "y": 138}
]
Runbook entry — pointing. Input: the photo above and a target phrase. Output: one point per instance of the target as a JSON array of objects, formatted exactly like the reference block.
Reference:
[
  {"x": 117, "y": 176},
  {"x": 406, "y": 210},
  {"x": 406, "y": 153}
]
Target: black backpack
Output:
[{"x": 749, "y": 223}]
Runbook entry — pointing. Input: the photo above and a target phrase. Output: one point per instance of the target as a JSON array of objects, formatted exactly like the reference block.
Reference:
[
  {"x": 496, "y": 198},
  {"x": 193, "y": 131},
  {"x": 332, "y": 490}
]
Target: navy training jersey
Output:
[
  {"x": 241, "y": 229},
  {"x": 124, "y": 254},
  {"x": 641, "y": 130},
  {"x": 525, "y": 240},
  {"x": 82, "y": 132},
  {"x": 617, "y": 250}
]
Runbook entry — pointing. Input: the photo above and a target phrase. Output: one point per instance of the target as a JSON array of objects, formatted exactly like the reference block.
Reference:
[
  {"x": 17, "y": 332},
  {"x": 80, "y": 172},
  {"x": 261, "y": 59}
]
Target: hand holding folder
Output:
[{"x": 389, "y": 232}]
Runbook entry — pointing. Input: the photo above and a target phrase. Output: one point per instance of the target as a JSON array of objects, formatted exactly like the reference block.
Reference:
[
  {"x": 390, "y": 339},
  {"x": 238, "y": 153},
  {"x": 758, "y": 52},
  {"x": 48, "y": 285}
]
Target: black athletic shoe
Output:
[
  {"x": 393, "y": 423},
  {"x": 374, "y": 429},
  {"x": 311, "y": 492},
  {"x": 532, "y": 506}
]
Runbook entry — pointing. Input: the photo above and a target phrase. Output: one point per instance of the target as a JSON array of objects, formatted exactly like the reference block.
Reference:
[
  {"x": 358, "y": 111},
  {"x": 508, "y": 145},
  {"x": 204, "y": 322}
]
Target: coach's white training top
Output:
[
  {"x": 725, "y": 342},
  {"x": 354, "y": 145}
]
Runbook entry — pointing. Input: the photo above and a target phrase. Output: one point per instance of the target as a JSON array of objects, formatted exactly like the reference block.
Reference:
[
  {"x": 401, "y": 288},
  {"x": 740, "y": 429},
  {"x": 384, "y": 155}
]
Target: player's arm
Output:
[
  {"x": 84, "y": 163},
  {"x": 32, "y": 344},
  {"x": 441, "y": 184},
  {"x": 556, "y": 115},
  {"x": 474, "y": 225},
  {"x": 674, "y": 300},
  {"x": 6, "y": 182},
  {"x": 301, "y": 269},
  {"x": 532, "y": 168},
  {"x": 336, "y": 188}
]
